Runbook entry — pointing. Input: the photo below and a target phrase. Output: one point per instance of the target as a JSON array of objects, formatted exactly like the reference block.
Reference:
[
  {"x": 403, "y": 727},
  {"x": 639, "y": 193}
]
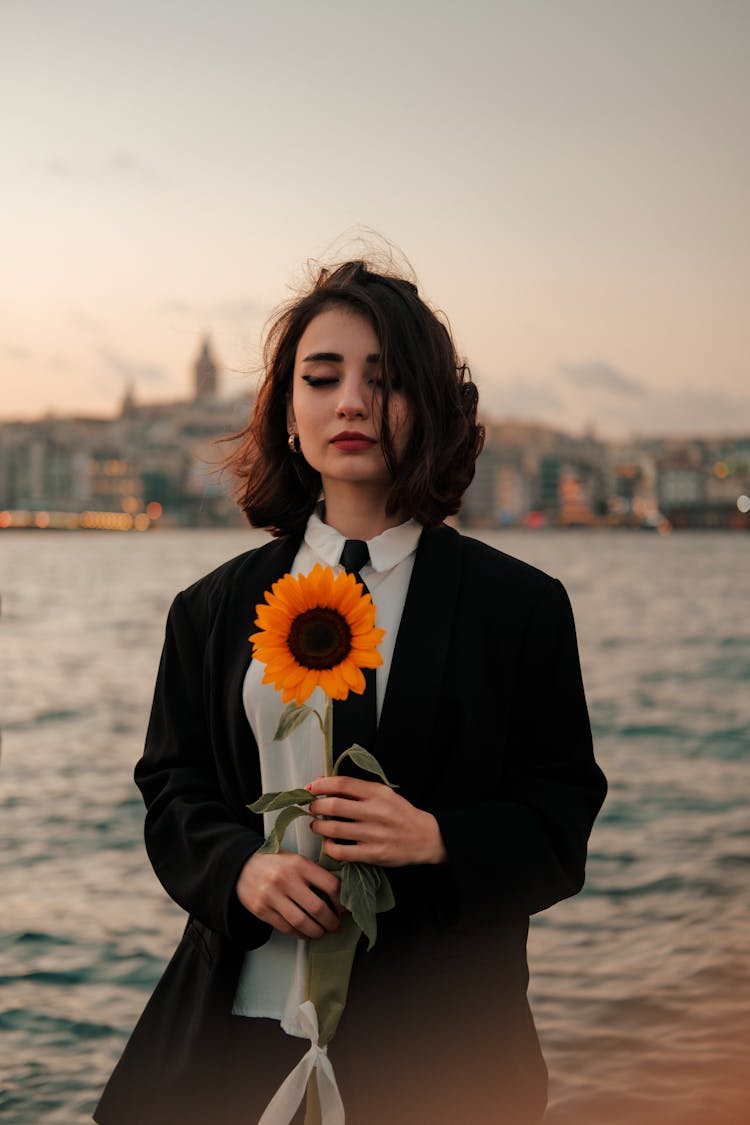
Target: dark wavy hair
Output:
[{"x": 278, "y": 489}]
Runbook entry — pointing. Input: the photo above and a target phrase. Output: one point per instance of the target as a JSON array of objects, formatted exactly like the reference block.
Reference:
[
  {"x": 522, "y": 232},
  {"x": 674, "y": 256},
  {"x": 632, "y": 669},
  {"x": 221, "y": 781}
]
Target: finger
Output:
[
  {"x": 318, "y": 909},
  {"x": 321, "y": 881},
  {"x": 279, "y": 922},
  {"x": 302, "y": 873},
  {"x": 341, "y": 829},
  {"x": 343, "y": 786},
  {"x": 299, "y": 918},
  {"x": 362, "y": 853},
  {"x": 335, "y": 806}
]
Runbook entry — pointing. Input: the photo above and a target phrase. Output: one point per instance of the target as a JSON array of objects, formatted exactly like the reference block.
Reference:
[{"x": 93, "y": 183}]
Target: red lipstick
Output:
[{"x": 352, "y": 441}]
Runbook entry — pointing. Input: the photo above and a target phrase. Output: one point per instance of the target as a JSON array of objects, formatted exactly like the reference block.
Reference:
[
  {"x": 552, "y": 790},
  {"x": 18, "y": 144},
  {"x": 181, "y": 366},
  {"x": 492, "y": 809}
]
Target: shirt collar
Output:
[{"x": 387, "y": 550}]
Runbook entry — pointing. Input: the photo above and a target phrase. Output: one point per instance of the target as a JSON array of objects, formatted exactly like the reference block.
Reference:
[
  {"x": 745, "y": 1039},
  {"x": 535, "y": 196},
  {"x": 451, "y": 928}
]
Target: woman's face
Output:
[{"x": 336, "y": 401}]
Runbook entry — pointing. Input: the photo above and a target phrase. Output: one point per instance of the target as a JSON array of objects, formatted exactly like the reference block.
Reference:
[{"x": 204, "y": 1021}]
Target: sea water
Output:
[{"x": 640, "y": 985}]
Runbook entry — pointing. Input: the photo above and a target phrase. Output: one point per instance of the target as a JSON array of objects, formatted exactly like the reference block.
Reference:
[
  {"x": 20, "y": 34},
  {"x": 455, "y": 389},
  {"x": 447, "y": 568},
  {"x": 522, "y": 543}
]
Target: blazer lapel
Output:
[{"x": 422, "y": 646}]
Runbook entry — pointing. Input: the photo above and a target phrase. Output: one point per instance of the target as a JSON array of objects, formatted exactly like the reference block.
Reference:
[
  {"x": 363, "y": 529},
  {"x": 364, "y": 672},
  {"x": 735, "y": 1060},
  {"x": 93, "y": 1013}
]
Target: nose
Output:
[{"x": 354, "y": 399}]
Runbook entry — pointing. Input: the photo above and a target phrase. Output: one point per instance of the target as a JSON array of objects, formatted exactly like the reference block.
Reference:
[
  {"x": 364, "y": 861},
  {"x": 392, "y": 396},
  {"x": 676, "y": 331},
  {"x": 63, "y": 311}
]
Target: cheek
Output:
[{"x": 303, "y": 411}]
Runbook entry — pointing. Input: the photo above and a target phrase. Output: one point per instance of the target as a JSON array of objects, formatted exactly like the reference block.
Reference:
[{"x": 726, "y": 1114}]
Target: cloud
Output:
[
  {"x": 571, "y": 404},
  {"x": 695, "y": 412},
  {"x": 523, "y": 398},
  {"x": 175, "y": 305},
  {"x": 242, "y": 310},
  {"x": 125, "y": 165},
  {"x": 598, "y": 375},
  {"x": 83, "y": 322},
  {"x": 675, "y": 412},
  {"x": 120, "y": 166},
  {"x": 132, "y": 369},
  {"x": 13, "y": 351}
]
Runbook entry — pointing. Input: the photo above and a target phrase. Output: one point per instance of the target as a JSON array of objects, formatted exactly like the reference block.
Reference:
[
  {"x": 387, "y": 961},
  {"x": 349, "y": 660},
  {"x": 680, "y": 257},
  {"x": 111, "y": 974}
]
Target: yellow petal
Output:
[
  {"x": 362, "y": 615},
  {"x": 362, "y": 641},
  {"x": 274, "y": 619},
  {"x": 290, "y": 595},
  {"x": 332, "y": 684},
  {"x": 367, "y": 658},
  {"x": 295, "y": 608},
  {"x": 307, "y": 685},
  {"x": 295, "y": 675},
  {"x": 369, "y": 639},
  {"x": 326, "y": 591},
  {"x": 265, "y": 652},
  {"x": 305, "y": 587},
  {"x": 281, "y": 673},
  {"x": 353, "y": 676},
  {"x": 346, "y": 598}
]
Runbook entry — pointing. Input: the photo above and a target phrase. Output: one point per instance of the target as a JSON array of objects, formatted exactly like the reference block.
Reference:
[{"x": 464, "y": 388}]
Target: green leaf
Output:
[
  {"x": 359, "y": 887},
  {"x": 283, "y": 820},
  {"x": 366, "y": 761},
  {"x": 270, "y": 802},
  {"x": 291, "y": 717},
  {"x": 384, "y": 900}
]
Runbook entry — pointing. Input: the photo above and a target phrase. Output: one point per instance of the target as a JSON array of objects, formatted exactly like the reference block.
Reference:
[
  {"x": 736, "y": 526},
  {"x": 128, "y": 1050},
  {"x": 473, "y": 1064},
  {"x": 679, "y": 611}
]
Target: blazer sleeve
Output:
[
  {"x": 195, "y": 842},
  {"x": 525, "y": 849}
]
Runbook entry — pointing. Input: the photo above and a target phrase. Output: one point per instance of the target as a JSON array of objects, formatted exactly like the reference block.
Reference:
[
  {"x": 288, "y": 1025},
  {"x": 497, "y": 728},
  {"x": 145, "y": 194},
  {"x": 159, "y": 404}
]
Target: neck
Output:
[{"x": 357, "y": 513}]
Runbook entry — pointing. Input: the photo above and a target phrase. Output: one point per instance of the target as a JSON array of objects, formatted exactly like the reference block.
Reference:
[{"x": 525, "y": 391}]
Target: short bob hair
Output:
[{"x": 278, "y": 489}]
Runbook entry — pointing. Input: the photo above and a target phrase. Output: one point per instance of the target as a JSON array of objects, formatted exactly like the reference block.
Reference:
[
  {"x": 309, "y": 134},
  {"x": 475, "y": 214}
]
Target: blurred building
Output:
[
  {"x": 206, "y": 374},
  {"x": 530, "y": 474},
  {"x": 163, "y": 461},
  {"x": 166, "y": 453}
]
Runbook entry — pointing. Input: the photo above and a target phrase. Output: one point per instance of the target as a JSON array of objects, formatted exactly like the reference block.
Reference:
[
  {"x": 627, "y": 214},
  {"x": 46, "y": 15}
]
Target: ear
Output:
[{"x": 291, "y": 422}]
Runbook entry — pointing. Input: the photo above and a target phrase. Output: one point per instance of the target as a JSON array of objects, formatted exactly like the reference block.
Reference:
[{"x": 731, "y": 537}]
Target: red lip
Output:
[
  {"x": 352, "y": 435},
  {"x": 352, "y": 441}
]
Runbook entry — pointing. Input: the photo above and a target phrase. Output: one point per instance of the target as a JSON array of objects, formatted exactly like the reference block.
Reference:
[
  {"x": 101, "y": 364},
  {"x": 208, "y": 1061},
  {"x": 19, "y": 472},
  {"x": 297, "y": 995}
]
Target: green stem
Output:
[
  {"x": 328, "y": 738},
  {"x": 323, "y": 859}
]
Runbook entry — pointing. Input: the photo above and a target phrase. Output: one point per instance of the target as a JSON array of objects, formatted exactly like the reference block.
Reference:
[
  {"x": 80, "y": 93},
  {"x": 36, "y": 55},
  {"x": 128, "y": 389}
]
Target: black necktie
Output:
[{"x": 355, "y": 718}]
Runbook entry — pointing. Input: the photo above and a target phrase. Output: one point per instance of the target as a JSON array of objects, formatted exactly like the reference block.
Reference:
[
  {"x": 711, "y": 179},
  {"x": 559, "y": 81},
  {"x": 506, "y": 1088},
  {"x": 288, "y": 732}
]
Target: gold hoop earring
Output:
[{"x": 293, "y": 443}]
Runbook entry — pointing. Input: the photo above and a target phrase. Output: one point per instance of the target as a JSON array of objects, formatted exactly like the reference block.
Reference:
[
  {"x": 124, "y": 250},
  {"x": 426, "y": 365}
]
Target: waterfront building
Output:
[
  {"x": 164, "y": 454},
  {"x": 164, "y": 458}
]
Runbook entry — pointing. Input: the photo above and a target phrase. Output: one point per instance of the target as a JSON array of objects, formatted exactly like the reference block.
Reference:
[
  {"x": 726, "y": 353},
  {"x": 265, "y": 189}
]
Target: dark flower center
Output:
[{"x": 320, "y": 638}]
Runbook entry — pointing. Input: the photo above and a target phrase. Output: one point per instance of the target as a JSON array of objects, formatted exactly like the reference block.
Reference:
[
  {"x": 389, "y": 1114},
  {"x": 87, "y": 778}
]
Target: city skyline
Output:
[
  {"x": 568, "y": 181},
  {"x": 225, "y": 393}
]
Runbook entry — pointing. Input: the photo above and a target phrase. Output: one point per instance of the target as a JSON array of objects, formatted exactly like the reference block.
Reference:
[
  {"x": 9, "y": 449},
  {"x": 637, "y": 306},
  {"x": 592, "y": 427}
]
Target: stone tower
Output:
[
  {"x": 206, "y": 373},
  {"x": 128, "y": 406}
]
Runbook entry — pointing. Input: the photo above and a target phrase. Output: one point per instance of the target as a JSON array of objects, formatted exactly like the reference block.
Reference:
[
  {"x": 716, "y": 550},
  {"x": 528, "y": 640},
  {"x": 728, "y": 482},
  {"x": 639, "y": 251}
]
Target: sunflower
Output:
[{"x": 317, "y": 629}]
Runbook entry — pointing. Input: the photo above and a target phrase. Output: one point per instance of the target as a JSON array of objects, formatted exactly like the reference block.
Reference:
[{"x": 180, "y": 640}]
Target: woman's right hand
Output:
[{"x": 284, "y": 889}]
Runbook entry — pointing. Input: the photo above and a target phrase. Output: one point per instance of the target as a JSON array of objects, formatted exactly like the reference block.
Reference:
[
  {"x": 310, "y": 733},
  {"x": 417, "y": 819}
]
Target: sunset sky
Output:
[{"x": 568, "y": 178}]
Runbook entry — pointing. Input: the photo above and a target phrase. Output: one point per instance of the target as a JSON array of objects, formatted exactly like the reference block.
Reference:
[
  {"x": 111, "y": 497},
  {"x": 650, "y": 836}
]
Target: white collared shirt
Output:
[{"x": 272, "y": 979}]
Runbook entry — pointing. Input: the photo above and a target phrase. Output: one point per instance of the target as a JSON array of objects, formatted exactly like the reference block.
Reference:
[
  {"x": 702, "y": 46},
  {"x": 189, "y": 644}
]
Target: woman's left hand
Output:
[{"x": 384, "y": 828}]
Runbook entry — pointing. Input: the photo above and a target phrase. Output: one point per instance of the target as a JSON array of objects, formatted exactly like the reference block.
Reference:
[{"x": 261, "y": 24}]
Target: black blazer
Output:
[{"x": 484, "y": 722}]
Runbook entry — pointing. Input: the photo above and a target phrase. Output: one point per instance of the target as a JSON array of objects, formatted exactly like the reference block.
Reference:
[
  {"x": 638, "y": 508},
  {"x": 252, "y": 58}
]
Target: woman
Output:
[{"x": 364, "y": 430}]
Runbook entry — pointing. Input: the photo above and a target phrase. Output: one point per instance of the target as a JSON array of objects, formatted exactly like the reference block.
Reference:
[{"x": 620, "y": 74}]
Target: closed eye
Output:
[{"x": 320, "y": 380}]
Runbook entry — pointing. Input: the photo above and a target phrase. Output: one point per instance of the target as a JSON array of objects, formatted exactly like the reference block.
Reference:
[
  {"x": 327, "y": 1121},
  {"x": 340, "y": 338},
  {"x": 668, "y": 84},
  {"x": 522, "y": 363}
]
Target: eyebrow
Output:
[{"x": 336, "y": 357}]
